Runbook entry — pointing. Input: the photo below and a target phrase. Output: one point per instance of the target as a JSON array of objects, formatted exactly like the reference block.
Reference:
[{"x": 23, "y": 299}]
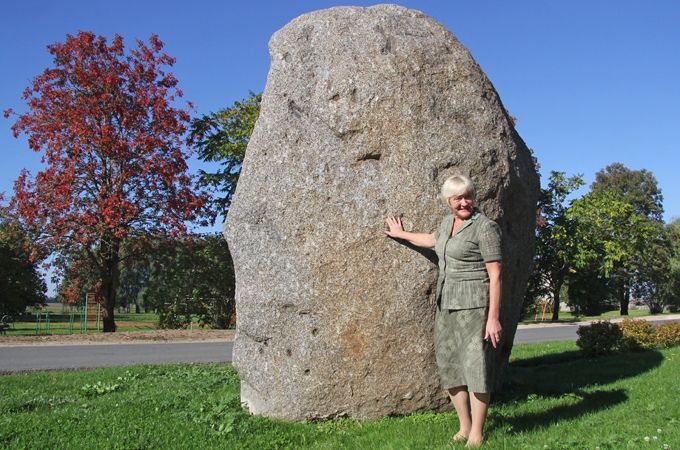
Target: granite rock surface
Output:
[{"x": 365, "y": 113}]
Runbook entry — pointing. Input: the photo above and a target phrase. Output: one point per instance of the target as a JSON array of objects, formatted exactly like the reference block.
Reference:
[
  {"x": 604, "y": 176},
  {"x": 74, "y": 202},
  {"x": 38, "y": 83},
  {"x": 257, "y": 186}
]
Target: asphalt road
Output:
[
  {"x": 547, "y": 333},
  {"x": 47, "y": 357},
  {"x": 562, "y": 332}
]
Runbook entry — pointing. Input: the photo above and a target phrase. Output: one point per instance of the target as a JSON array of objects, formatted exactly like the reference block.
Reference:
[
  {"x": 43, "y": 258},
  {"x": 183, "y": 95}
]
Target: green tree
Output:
[
  {"x": 670, "y": 288},
  {"x": 135, "y": 271},
  {"x": 653, "y": 272},
  {"x": 589, "y": 291},
  {"x": 554, "y": 255},
  {"x": 637, "y": 187},
  {"x": 222, "y": 137},
  {"x": 611, "y": 237},
  {"x": 21, "y": 283},
  {"x": 216, "y": 289},
  {"x": 189, "y": 276}
]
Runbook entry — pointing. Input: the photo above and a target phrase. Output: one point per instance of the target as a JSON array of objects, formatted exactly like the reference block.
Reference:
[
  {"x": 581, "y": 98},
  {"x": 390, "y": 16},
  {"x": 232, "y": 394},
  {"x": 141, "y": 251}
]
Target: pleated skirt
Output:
[{"x": 464, "y": 358}]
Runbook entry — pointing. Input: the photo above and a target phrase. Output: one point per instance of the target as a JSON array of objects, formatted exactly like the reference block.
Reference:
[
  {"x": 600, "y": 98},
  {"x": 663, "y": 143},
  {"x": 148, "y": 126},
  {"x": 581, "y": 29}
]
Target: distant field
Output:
[{"x": 62, "y": 322}]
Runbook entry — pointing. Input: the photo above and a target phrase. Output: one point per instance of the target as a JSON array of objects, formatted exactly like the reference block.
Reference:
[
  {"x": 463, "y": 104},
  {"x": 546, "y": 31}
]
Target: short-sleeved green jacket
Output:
[{"x": 463, "y": 280}]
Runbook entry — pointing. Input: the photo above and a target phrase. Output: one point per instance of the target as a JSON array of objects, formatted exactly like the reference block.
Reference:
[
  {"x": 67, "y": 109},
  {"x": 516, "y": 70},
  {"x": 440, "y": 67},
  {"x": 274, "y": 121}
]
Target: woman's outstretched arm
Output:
[{"x": 396, "y": 230}]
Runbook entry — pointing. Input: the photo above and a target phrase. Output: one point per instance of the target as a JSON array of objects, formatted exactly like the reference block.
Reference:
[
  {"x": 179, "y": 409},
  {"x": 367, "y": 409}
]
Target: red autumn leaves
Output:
[
  {"x": 107, "y": 124},
  {"x": 111, "y": 139}
]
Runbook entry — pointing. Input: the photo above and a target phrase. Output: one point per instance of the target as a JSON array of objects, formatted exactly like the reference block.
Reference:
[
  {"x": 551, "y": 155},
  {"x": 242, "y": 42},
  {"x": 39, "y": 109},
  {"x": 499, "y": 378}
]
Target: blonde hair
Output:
[{"x": 455, "y": 186}]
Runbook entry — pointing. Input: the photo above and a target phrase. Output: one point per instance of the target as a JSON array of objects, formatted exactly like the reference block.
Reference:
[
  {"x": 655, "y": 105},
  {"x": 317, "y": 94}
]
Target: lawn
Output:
[
  {"x": 61, "y": 322},
  {"x": 555, "y": 399}
]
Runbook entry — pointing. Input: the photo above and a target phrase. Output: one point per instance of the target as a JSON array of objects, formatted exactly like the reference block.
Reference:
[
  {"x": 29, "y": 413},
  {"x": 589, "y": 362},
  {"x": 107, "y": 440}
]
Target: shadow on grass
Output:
[
  {"x": 588, "y": 403},
  {"x": 566, "y": 376},
  {"x": 566, "y": 372},
  {"x": 549, "y": 359}
]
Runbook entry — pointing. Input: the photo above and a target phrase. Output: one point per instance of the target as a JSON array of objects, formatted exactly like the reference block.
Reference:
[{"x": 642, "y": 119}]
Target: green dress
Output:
[{"x": 463, "y": 357}]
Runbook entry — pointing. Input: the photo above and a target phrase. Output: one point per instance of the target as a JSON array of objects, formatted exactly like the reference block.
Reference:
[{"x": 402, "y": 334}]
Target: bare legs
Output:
[
  {"x": 471, "y": 410},
  {"x": 461, "y": 401},
  {"x": 479, "y": 403}
]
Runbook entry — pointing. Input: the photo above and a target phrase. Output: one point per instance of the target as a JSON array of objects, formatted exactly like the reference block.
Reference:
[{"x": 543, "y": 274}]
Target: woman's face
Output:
[{"x": 462, "y": 206}]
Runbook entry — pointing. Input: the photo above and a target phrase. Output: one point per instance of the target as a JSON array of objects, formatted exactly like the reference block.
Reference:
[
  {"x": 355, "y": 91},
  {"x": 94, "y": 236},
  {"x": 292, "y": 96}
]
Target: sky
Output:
[{"x": 590, "y": 82}]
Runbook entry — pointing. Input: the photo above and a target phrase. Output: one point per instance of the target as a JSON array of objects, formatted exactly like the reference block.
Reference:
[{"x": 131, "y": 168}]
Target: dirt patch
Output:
[
  {"x": 125, "y": 336},
  {"x": 137, "y": 324}
]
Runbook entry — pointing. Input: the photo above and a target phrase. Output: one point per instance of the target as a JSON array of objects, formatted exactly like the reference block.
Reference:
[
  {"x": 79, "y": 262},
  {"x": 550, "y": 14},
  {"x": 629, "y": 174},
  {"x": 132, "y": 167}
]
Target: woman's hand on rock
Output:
[{"x": 395, "y": 226}]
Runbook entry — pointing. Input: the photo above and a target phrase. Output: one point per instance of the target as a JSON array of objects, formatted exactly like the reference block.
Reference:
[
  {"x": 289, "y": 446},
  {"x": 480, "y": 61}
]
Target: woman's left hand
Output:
[
  {"x": 396, "y": 229},
  {"x": 493, "y": 332}
]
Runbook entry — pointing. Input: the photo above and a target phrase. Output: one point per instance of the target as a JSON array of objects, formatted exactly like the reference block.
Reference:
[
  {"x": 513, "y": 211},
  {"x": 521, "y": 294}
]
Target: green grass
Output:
[
  {"x": 62, "y": 327},
  {"x": 567, "y": 317},
  {"x": 59, "y": 323},
  {"x": 555, "y": 399}
]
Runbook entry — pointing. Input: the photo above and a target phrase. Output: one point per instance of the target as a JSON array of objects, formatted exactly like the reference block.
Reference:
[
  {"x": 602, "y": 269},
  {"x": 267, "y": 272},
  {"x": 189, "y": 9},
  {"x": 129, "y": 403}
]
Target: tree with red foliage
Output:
[{"x": 115, "y": 163}]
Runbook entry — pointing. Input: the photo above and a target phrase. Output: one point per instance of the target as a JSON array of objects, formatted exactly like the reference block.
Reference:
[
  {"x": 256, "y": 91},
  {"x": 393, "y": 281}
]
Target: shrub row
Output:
[{"x": 604, "y": 337}]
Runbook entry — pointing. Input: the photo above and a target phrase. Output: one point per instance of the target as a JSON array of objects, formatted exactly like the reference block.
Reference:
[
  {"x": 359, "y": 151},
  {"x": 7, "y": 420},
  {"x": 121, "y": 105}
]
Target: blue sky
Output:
[{"x": 591, "y": 82}]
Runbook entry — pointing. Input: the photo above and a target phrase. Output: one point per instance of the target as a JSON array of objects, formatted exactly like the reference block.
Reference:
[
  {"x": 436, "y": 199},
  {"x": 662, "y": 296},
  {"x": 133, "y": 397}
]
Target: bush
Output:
[
  {"x": 667, "y": 334},
  {"x": 637, "y": 335},
  {"x": 598, "y": 338},
  {"x": 604, "y": 337},
  {"x": 174, "y": 317}
]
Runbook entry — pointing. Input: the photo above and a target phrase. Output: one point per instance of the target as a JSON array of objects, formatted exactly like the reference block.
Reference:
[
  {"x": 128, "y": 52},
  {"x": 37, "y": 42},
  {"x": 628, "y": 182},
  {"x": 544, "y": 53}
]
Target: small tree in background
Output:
[
  {"x": 135, "y": 273},
  {"x": 554, "y": 255},
  {"x": 222, "y": 137},
  {"x": 191, "y": 276},
  {"x": 612, "y": 239},
  {"x": 641, "y": 273},
  {"x": 670, "y": 289},
  {"x": 654, "y": 269},
  {"x": 21, "y": 284},
  {"x": 111, "y": 141},
  {"x": 589, "y": 290}
]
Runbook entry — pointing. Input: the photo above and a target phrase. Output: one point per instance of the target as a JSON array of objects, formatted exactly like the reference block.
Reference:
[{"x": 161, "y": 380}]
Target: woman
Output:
[{"x": 467, "y": 324}]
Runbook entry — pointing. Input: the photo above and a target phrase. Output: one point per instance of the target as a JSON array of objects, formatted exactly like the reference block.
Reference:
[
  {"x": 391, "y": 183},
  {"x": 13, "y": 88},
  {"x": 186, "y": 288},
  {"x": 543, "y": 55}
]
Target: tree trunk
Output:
[
  {"x": 624, "y": 299},
  {"x": 110, "y": 278},
  {"x": 108, "y": 317},
  {"x": 556, "y": 301}
]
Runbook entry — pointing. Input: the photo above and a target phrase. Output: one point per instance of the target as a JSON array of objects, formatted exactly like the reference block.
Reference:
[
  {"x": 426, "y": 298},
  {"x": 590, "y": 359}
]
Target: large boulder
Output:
[{"x": 365, "y": 113}]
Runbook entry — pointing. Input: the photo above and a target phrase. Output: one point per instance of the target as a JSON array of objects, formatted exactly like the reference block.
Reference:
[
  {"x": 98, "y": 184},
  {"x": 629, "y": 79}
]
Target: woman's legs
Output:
[
  {"x": 461, "y": 401},
  {"x": 479, "y": 403},
  {"x": 471, "y": 410}
]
